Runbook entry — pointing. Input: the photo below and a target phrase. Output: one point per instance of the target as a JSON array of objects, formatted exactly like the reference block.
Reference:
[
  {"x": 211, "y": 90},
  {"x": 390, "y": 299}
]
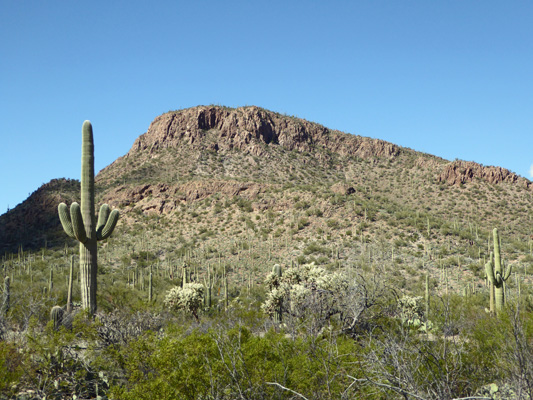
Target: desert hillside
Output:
[{"x": 262, "y": 256}]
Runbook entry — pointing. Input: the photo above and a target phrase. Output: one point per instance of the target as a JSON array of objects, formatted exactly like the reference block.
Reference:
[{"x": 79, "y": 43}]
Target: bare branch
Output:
[
  {"x": 285, "y": 388},
  {"x": 406, "y": 393},
  {"x": 401, "y": 391}
]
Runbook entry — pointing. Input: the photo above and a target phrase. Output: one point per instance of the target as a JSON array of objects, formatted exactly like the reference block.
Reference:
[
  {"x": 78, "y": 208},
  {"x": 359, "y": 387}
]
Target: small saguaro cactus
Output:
[
  {"x": 80, "y": 222},
  {"x": 51, "y": 281},
  {"x": 5, "y": 303},
  {"x": 209, "y": 283},
  {"x": 69, "y": 291},
  {"x": 497, "y": 272},
  {"x": 427, "y": 297},
  {"x": 150, "y": 286},
  {"x": 278, "y": 312},
  {"x": 56, "y": 315}
]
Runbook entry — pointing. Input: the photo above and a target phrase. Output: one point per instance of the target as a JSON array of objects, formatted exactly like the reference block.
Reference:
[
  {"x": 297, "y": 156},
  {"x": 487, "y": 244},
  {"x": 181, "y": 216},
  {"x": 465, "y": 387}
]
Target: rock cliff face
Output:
[
  {"x": 460, "y": 172},
  {"x": 248, "y": 128}
]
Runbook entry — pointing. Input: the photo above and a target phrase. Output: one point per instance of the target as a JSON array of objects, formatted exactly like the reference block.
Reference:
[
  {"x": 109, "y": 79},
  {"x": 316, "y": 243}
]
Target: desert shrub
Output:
[
  {"x": 11, "y": 367},
  {"x": 234, "y": 362},
  {"x": 119, "y": 327},
  {"x": 58, "y": 363}
]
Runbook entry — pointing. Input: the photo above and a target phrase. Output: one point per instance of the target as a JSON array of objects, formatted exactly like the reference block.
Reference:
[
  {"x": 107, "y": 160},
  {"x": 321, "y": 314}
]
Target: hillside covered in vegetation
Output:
[{"x": 380, "y": 288}]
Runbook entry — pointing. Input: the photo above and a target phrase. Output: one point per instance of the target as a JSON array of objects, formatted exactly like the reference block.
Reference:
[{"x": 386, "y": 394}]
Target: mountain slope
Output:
[
  {"x": 252, "y": 145},
  {"x": 226, "y": 182},
  {"x": 34, "y": 222}
]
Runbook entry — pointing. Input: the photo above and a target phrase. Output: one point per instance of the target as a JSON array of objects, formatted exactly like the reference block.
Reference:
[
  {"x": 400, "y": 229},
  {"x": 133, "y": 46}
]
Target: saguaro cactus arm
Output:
[
  {"x": 495, "y": 277},
  {"x": 78, "y": 227},
  {"x": 72, "y": 223},
  {"x": 64, "y": 217},
  {"x": 506, "y": 271},
  {"x": 489, "y": 269},
  {"x": 106, "y": 222}
]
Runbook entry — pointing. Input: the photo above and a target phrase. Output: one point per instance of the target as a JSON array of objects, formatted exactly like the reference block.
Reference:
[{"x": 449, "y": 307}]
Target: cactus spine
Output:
[
  {"x": 497, "y": 272},
  {"x": 80, "y": 222}
]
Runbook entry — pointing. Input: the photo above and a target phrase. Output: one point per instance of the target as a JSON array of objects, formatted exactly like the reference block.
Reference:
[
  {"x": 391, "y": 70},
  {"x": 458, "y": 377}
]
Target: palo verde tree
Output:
[{"x": 80, "y": 222}]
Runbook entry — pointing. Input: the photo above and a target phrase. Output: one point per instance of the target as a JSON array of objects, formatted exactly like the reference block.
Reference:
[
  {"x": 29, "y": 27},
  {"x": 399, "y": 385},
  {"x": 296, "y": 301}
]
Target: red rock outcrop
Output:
[
  {"x": 458, "y": 172},
  {"x": 248, "y": 128}
]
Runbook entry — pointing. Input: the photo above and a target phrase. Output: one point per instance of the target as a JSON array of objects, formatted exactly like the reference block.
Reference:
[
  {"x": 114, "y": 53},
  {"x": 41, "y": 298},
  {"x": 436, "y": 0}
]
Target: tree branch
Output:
[{"x": 290, "y": 390}]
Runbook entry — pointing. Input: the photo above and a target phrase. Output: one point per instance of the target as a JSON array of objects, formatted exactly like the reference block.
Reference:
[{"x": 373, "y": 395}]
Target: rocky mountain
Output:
[
  {"x": 207, "y": 160},
  {"x": 193, "y": 135}
]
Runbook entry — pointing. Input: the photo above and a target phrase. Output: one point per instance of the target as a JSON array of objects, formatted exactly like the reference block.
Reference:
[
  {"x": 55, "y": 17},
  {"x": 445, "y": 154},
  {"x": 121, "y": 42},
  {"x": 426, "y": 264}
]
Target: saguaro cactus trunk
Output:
[
  {"x": 80, "y": 223},
  {"x": 278, "y": 314},
  {"x": 497, "y": 272},
  {"x": 56, "y": 315},
  {"x": 5, "y": 304},
  {"x": 69, "y": 292}
]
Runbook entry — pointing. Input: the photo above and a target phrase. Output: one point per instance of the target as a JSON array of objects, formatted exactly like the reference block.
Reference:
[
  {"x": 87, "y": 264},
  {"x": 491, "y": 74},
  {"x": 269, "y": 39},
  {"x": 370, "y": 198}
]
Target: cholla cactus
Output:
[
  {"x": 273, "y": 280},
  {"x": 293, "y": 275},
  {"x": 273, "y": 301},
  {"x": 298, "y": 294},
  {"x": 309, "y": 288},
  {"x": 188, "y": 298},
  {"x": 411, "y": 313},
  {"x": 410, "y": 310}
]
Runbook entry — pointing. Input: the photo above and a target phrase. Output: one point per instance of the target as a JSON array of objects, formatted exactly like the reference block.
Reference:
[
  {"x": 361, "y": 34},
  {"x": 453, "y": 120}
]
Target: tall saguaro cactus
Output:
[
  {"x": 278, "y": 313},
  {"x": 80, "y": 222},
  {"x": 497, "y": 272},
  {"x": 5, "y": 304}
]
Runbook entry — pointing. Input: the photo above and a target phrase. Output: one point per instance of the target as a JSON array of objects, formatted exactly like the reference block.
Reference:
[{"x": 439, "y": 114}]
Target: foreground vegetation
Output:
[{"x": 361, "y": 339}]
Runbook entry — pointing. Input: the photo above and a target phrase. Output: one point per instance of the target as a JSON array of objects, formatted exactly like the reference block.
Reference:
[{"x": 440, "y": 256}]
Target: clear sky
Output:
[{"x": 452, "y": 78}]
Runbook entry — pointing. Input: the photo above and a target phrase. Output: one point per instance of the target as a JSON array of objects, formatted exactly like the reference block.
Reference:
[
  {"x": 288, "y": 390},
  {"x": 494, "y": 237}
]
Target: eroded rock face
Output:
[
  {"x": 248, "y": 128},
  {"x": 163, "y": 198},
  {"x": 458, "y": 172}
]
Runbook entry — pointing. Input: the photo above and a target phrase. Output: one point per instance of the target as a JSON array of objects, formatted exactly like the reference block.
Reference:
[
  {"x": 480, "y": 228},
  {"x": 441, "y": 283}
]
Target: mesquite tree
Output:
[{"x": 80, "y": 222}]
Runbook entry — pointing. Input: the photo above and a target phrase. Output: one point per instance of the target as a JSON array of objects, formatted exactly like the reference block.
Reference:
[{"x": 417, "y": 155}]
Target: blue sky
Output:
[{"x": 451, "y": 78}]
